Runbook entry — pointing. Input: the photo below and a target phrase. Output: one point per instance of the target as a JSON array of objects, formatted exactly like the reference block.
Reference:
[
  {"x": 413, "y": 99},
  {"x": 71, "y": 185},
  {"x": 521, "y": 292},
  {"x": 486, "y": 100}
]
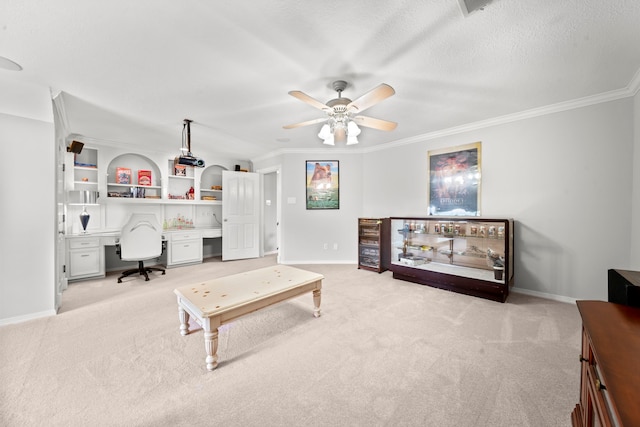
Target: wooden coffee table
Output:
[{"x": 219, "y": 301}]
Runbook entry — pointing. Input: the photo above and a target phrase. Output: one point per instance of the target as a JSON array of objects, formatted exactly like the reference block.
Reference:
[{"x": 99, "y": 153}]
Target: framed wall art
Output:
[
  {"x": 323, "y": 184},
  {"x": 454, "y": 180}
]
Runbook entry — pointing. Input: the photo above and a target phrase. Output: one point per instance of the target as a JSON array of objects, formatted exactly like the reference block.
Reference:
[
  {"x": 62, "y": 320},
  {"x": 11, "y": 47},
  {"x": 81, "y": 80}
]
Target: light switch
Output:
[
  {"x": 291, "y": 200},
  {"x": 268, "y": 202}
]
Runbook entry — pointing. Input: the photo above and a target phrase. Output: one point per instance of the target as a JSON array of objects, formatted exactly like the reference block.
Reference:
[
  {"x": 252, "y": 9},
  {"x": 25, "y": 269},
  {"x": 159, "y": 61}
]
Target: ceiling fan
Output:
[{"x": 343, "y": 114}]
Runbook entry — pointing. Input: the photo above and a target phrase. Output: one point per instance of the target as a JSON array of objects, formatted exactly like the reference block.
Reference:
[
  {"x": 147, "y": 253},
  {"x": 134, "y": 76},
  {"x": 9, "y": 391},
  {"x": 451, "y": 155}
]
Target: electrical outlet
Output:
[
  {"x": 326, "y": 246},
  {"x": 335, "y": 246}
]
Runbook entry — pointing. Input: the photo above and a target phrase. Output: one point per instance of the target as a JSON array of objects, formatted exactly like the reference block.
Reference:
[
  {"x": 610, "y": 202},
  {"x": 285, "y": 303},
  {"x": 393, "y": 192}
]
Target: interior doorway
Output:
[{"x": 270, "y": 211}]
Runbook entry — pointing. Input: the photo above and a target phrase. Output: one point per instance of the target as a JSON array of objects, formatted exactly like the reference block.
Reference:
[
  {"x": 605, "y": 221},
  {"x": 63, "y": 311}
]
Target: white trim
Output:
[
  {"x": 277, "y": 169},
  {"x": 544, "y": 295},
  {"x": 342, "y": 262},
  {"x": 634, "y": 84},
  {"x": 26, "y": 317},
  {"x": 509, "y": 118},
  {"x": 632, "y": 88}
]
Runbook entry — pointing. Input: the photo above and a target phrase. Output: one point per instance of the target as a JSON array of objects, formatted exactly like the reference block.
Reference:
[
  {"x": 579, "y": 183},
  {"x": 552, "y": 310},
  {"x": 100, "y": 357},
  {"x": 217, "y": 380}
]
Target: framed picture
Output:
[
  {"x": 144, "y": 177},
  {"x": 123, "y": 176},
  {"x": 454, "y": 180},
  {"x": 323, "y": 184}
]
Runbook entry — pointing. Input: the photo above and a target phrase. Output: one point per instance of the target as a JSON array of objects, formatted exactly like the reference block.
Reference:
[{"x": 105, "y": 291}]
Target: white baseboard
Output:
[
  {"x": 26, "y": 317},
  {"x": 543, "y": 295},
  {"x": 325, "y": 261}
]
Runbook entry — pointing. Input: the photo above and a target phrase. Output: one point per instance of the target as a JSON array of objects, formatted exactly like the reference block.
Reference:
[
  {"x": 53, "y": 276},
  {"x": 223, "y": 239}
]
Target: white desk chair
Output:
[{"x": 140, "y": 240}]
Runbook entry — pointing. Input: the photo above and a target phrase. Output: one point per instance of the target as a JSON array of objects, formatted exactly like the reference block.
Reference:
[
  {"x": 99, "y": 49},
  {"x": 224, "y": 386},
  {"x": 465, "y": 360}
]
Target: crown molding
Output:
[
  {"x": 631, "y": 90},
  {"x": 634, "y": 84},
  {"x": 613, "y": 95}
]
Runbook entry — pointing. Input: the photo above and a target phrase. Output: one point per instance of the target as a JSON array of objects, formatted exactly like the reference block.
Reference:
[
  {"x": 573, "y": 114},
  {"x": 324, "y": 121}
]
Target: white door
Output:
[{"x": 240, "y": 215}]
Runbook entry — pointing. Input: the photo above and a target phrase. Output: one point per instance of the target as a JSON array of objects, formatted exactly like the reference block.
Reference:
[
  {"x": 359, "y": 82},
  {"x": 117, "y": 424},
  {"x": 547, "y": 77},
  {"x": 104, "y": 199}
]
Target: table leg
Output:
[
  {"x": 184, "y": 320},
  {"x": 211, "y": 345},
  {"x": 316, "y": 303}
]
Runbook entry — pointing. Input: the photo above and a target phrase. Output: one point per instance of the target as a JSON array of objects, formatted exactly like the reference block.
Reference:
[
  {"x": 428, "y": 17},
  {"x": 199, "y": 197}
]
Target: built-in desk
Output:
[{"x": 85, "y": 253}]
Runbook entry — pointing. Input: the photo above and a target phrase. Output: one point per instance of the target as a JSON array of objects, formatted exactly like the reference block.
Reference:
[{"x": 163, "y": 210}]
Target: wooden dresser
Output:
[{"x": 610, "y": 359}]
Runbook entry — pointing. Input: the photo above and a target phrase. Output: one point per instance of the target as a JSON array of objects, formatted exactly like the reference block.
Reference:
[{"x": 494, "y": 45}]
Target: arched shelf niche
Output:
[
  {"x": 211, "y": 182},
  {"x": 117, "y": 185}
]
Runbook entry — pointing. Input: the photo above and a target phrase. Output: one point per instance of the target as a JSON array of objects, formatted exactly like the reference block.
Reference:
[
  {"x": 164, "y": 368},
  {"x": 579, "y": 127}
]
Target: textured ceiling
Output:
[{"x": 132, "y": 71}]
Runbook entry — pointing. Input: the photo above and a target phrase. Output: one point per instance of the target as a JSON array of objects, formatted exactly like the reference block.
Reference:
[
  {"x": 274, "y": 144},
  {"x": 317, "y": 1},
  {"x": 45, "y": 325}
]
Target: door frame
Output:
[
  {"x": 60, "y": 130},
  {"x": 277, "y": 169}
]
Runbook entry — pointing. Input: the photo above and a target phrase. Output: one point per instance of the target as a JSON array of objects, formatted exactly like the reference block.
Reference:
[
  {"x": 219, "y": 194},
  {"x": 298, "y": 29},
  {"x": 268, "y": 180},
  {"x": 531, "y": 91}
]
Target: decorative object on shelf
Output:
[
  {"x": 144, "y": 177},
  {"x": 190, "y": 194},
  {"x": 123, "y": 176},
  {"x": 454, "y": 180},
  {"x": 342, "y": 124},
  {"x": 186, "y": 157},
  {"x": 84, "y": 219},
  {"x": 180, "y": 170},
  {"x": 494, "y": 259},
  {"x": 86, "y": 197},
  {"x": 323, "y": 184},
  {"x": 138, "y": 193}
]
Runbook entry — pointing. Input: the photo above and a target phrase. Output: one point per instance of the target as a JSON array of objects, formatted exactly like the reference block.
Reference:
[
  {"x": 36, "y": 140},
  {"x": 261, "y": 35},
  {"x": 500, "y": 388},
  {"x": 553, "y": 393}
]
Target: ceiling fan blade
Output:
[
  {"x": 309, "y": 100},
  {"x": 370, "y": 122},
  {"x": 369, "y": 99},
  {"x": 307, "y": 123}
]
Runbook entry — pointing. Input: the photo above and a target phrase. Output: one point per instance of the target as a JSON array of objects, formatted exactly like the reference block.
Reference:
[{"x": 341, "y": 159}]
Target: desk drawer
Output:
[
  {"x": 82, "y": 242},
  {"x": 84, "y": 262},
  {"x": 185, "y": 251},
  {"x": 177, "y": 236}
]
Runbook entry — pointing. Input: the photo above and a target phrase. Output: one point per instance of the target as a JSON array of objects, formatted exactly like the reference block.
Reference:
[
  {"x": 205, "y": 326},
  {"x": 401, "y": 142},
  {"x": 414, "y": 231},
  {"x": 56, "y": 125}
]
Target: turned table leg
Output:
[
  {"x": 184, "y": 320},
  {"x": 211, "y": 343},
  {"x": 316, "y": 303}
]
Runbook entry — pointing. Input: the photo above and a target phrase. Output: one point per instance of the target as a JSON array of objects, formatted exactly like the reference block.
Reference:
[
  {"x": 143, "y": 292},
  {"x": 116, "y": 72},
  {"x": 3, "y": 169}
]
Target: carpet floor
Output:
[{"x": 384, "y": 353}]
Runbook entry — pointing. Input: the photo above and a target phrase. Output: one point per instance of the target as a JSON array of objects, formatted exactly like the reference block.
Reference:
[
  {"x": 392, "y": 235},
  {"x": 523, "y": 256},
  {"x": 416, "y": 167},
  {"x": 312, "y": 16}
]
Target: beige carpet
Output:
[{"x": 384, "y": 353}]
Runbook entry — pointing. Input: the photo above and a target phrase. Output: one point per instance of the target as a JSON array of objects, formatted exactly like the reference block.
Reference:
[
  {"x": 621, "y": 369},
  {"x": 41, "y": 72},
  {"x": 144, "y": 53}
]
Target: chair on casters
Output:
[{"x": 140, "y": 240}]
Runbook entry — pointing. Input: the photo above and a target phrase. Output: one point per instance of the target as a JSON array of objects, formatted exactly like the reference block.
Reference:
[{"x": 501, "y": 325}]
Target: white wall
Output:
[
  {"x": 566, "y": 178},
  {"x": 27, "y": 218},
  {"x": 634, "y": 263},
  {"x": 304, "y": 232}
]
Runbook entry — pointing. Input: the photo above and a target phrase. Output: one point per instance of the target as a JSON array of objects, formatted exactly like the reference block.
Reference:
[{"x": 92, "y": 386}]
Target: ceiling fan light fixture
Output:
[
  {"x": 326, "y": 135},
  {"x": 352, "y": 133},
  {"x": 353, "y": 129},
  {"x": 341, "y": 124},
  {"x": 325, "y": 132}
]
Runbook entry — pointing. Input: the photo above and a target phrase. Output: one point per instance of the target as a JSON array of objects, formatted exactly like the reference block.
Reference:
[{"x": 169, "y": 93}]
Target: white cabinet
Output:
[
  {"x": 85, "y": 258},
  {"x": 211, "y": 183},
  {"x": 184, "y": 247},
  {"x": 81, "y": 170},
  {"x": 133, "y": 176}
]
